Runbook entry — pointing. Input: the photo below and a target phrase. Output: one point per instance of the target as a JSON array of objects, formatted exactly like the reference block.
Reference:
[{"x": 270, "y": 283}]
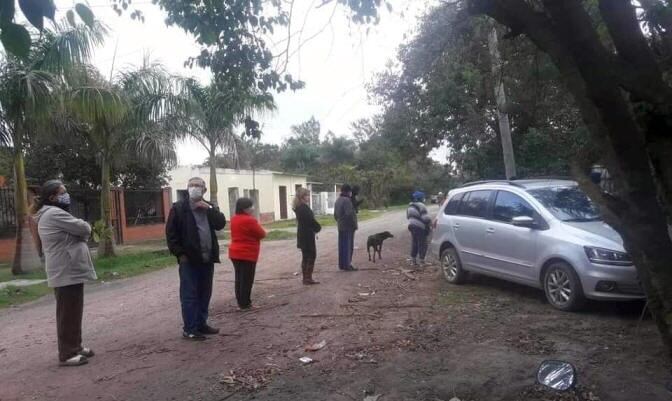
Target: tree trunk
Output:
[
  {"x": 106, "y": 245},
  {"x": 596, "y": 80},
  {"x": 25, "y": 252},
  {"x": 213, "y": 178},
  {"x": 500, "y": 98}
]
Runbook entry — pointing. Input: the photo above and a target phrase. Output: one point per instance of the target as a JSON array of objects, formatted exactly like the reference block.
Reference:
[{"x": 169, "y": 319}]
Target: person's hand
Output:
[
  {"x": 202, "y": 205},
  {"x": 183, "y": 259}
]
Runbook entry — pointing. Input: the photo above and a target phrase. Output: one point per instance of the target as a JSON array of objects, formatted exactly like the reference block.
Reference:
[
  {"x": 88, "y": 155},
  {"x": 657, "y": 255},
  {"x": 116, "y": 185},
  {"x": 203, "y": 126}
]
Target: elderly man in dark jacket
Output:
[
  {"x": 191, "y": 237},
  {"x": 344, "y": 213}
]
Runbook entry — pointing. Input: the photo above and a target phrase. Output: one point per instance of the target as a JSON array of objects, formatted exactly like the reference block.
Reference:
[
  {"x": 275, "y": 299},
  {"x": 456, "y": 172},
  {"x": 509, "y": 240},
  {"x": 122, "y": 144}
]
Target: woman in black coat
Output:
[{"x": 307, "y": 227}]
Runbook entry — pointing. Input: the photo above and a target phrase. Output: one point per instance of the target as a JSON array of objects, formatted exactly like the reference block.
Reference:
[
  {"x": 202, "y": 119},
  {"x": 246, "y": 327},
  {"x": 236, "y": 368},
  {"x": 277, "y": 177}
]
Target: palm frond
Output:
[{"x": 66, "y": 46}]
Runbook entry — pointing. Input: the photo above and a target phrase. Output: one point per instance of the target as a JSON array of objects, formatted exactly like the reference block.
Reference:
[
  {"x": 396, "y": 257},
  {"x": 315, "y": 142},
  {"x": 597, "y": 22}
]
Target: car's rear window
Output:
[
  {"x": 453, "y": 204},
  {"x": 475, "y": 204}
]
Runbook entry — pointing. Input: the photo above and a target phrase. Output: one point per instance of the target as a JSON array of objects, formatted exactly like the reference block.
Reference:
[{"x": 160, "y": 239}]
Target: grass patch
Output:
[
  {"x": 132, "y": 264},
  {"x": 6, "y": 274},
  {"x": 279, "y": 235},
  {"x": 10, "y": 296}
]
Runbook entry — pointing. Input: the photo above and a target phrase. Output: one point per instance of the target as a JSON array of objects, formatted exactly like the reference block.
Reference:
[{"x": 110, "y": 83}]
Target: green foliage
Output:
[
  {"x": 101, "y": 231},
  {"x": 16, "y": 38},
  {"x": 444, "y": 94}
]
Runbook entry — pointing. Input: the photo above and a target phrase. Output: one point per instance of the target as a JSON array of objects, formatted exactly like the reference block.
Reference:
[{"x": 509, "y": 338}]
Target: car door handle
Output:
[
  {"x": 456, "y": 225},
  {"x": 490, "y": 230}
]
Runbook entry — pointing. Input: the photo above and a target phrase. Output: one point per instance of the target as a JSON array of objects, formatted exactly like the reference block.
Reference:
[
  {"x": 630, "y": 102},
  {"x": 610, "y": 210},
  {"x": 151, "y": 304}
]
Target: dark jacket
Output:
[
  {"x": 344, "y": 213},
  {"x": 306, "y": 229},
  {"x": 182, "y": 232}
]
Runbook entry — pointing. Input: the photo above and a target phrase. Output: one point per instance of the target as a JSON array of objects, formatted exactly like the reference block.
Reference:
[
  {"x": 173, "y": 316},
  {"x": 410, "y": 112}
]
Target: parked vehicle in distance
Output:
[{"x": 542, "y": 233}]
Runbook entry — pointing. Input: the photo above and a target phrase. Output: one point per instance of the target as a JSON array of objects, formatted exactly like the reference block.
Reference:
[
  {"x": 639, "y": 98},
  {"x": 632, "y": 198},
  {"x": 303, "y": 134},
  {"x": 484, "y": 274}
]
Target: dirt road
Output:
[{"x": 405, "y": 335}]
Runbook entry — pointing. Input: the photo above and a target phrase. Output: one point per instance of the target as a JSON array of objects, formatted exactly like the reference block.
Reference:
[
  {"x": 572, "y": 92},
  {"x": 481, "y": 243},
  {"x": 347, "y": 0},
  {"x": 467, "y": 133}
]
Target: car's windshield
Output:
[{"x": 567, "y": 203}]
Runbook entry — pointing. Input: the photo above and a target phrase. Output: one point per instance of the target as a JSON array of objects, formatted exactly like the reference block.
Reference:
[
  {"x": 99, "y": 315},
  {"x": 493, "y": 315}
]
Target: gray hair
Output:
[{"x": 197, "y": 179}]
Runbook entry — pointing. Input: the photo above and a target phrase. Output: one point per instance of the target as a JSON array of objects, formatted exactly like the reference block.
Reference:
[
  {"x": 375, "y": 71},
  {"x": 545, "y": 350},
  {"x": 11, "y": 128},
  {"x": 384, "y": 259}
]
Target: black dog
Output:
[{"x": 375, "y": 241}]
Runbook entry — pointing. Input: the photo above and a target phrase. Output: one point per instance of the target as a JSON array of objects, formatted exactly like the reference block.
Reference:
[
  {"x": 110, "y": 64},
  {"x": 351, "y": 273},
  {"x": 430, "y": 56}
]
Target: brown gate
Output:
[
  {"x": 116, "y": 212},
  {"x": 283, "y": 203}
]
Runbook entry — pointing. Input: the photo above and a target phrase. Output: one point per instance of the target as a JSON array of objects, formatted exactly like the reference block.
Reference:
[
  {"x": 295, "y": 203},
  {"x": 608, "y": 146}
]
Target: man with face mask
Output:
[{"x": 191, "y": 237}]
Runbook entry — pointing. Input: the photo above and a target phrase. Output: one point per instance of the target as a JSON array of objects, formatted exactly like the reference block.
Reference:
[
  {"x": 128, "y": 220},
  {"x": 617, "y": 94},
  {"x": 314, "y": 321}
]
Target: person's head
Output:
[
  {"x": 346, "y": 190},
  {"x": 418, "y": 196},
  {"x": 302, "y": 197},
  {"x": 244, "y": 206},
  {"x": 52, "y": 193},
  {"x": 196, "y": 188}
]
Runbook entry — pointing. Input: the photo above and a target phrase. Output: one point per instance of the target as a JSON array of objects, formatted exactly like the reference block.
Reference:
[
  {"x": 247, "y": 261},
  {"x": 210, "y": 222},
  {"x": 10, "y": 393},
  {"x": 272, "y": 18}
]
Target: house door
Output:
[
  {"x": 283, "y": 203},
  {"x": 233, "y": 197}
]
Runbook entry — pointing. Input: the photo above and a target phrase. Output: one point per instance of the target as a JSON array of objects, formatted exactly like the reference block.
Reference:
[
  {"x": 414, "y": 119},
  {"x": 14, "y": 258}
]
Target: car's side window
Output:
[
  {"x": 475, "y": 204},
  {"x": 509, "y": 205},
  {"x": 453, "y": 204}
]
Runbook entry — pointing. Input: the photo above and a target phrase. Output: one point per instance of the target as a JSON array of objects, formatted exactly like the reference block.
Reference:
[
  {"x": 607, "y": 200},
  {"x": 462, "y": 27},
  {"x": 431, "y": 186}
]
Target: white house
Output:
[{"x": 272, "y": 191}]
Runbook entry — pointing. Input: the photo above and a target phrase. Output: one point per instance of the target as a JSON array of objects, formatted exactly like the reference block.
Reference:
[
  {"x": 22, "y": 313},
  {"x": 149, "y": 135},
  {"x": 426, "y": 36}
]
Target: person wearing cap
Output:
[
  {"x": 344, "y": 213},
  {"x": 63, "y": 241},
  {"x": 419, "y": 224}
]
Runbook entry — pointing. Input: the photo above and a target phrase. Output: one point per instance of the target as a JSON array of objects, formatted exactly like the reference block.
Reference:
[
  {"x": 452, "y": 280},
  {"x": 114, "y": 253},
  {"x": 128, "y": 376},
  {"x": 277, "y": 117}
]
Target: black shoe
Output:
[
  {"x": 351, "y": 269},
  {"x": 208, "y": 330},
  {"x": 193, "y": 336}
]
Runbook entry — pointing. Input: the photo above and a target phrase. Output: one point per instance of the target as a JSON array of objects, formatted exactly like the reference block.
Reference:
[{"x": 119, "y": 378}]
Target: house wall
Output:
[
  {"x": 289, "y": 181},
  {"x": 266, "y": 182}
]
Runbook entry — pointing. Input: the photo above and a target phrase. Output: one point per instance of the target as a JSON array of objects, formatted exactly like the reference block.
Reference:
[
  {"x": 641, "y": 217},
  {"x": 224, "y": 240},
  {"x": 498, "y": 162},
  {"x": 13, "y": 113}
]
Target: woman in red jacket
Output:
[{"x": 246, "y": 236}]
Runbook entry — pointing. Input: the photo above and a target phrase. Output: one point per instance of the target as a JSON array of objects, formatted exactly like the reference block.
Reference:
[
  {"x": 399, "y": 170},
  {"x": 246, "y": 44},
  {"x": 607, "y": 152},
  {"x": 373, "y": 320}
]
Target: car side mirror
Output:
[
  {"x": 557, "y": 375},
  {"x": 524, "y": 221}
]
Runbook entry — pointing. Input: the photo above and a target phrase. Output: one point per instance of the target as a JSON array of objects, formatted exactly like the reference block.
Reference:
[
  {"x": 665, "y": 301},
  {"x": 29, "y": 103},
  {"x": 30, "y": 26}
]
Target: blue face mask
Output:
[{"x": 63, "y": 199}]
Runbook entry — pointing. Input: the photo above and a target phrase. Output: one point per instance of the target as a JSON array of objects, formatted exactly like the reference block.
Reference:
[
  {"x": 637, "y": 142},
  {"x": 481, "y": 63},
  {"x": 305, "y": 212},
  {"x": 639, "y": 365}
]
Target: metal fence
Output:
[
  {"x": 144, "y": 207},
  {"x": 7, "y": 213}
]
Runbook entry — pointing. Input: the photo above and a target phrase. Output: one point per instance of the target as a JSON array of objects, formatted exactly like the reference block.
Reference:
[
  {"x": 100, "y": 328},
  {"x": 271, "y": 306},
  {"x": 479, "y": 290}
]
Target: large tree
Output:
[
  {"x": 215, "y": 112},
  {"x": 135, "y": 114},
  {"x": 29, "y": 87}
]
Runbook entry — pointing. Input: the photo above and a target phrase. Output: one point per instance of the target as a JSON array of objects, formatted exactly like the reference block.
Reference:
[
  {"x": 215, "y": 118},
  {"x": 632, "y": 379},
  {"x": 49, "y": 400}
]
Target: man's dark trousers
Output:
[
  {"x": 195, "y": 293},
  {"x": 346, "y": 240}
]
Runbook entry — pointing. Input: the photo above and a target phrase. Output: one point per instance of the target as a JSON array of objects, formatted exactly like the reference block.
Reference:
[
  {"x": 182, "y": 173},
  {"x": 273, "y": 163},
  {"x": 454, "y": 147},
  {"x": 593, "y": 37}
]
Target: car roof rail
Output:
[
  {"x": 548, "y": 177},
  {"x": 470, "y": 184}
]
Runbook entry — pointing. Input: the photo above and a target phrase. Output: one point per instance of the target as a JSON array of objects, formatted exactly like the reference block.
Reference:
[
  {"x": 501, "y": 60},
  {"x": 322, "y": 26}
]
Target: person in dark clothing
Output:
[
  {"x": 307, "y": 227},
  {"x": 191, "y": 237},
  {"x": 344, "y": 213},
  {"x": 246, "y": 236},
  {"x": 356, "y": 202}
]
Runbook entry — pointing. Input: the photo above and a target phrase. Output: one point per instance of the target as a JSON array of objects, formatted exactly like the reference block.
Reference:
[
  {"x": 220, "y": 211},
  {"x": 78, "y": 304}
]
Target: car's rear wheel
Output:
[
  {"x": 563, "y": 287},
  {"x": 451, "y": 267}
]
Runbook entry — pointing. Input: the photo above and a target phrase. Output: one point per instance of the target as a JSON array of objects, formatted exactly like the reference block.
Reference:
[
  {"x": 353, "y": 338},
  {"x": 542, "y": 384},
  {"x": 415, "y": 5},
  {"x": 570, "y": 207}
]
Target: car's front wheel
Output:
[
  {"x": 451, "y": 267},
  {"x": 563, "y": 287}
]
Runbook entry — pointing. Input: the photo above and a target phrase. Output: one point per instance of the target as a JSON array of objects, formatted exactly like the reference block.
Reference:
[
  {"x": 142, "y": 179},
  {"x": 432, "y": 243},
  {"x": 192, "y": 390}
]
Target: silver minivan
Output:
[{"x": 541, "y": 233}]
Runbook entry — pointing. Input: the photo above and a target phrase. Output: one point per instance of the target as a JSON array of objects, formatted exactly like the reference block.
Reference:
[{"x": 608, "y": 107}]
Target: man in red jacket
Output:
[{"x": 191, "y": 237}]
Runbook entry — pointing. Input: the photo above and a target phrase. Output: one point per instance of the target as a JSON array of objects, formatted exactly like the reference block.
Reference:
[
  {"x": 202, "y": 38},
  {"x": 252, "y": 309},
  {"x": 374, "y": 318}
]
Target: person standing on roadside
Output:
[
  {"x": 307, "y": 228},
  {"x": 191, "y": 237},
  {"x": 246, "y": 236},
  {"x": 419, "y": 224},
  {"x": 63, "y": 242},
  {"x": 344, "y": 213}
]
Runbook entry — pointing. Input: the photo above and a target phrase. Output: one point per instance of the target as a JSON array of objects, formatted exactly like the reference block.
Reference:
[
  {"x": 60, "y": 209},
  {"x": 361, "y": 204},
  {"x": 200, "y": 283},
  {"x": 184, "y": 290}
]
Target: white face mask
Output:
[
  {"x": 250, "y": 210},
  {"x": 196, "y": 193}
]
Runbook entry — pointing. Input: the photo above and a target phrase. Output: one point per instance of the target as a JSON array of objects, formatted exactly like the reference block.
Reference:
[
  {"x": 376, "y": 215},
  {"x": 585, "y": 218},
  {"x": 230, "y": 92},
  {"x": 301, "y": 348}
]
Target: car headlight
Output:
[{"x": 607, "y": 257}]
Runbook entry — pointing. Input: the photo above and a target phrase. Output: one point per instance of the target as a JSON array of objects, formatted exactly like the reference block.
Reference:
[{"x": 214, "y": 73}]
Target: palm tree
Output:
[
  {"x": 215, "y": 111},
  {"x": 27, "y": 91},
  {"x": 133, "y": 114}
]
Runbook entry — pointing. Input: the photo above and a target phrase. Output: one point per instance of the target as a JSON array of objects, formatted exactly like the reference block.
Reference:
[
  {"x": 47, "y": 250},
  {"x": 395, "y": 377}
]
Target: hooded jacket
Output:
[{"x": 64, "y": 244}]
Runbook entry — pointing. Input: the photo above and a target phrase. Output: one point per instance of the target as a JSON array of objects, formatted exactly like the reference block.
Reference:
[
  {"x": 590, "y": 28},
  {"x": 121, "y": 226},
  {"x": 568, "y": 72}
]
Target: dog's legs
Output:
[
  {"x": 368, "y": 249},
  {"x": 380, "y": 248}
]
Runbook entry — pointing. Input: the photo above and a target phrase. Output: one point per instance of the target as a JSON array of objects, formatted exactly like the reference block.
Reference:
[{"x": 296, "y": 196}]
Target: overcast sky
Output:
[{"x": 336, "y": 65}]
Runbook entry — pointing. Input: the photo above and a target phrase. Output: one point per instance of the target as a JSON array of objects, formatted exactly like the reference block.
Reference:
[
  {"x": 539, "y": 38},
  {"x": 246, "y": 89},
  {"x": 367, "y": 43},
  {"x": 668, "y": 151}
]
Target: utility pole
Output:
[{"x": 500, "y": 97}]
